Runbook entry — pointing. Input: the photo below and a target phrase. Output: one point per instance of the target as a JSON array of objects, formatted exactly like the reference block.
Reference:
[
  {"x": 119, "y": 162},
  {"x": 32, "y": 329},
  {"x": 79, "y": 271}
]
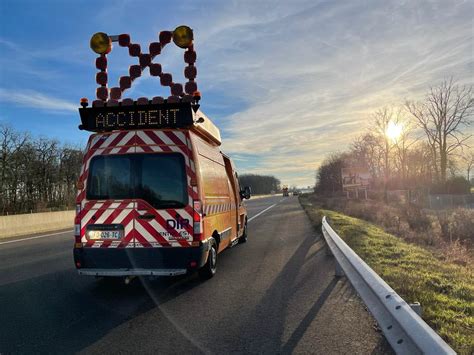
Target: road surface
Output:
[{"x": 275, "y": 294}]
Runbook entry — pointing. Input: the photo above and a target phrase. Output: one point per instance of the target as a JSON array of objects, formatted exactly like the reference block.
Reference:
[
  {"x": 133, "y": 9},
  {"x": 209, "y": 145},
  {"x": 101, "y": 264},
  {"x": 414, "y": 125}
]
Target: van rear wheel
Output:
[{"x": 209, "y": 269}]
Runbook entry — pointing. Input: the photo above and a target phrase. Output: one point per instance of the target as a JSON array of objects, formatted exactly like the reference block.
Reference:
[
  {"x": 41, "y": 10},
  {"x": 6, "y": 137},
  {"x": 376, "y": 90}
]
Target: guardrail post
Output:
[
  {"x": 328, "y": 250},
  {"x": 416, "y": 306},
  {"x": 339, "y": 271}
]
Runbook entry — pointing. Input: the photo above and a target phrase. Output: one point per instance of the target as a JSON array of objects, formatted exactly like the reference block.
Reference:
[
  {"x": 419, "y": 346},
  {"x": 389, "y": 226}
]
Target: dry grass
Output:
[
  {"x": 444, "y": 289},
  {"x": 449, "y": 233}
]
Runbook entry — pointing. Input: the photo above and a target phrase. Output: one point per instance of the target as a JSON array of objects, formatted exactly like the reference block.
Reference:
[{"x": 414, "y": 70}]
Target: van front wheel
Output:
[
  {"x": 209, "y": 269},
  {"x": 243, "y": 237}
]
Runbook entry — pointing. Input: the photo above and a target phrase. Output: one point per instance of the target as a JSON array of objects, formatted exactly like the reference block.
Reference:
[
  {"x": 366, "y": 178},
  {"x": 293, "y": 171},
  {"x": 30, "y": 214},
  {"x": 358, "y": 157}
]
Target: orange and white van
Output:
[{"x": 156, "y": 196}]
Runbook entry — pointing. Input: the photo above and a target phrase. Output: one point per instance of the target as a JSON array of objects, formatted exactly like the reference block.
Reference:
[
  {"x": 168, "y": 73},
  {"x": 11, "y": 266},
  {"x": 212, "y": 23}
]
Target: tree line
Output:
[
  {"x": 36, "y": 174},
  {"x": 40, "y": 174},
  {"x": 260, "y": 184},
  {"x": 418, "y": 144}
]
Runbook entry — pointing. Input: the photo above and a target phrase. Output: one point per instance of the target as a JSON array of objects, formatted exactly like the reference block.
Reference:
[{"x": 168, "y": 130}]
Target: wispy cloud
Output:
[
  {"x": 287, "y": 82},
  {"x": 36, "y": 100},
  {"x": 311, "y": 78}
]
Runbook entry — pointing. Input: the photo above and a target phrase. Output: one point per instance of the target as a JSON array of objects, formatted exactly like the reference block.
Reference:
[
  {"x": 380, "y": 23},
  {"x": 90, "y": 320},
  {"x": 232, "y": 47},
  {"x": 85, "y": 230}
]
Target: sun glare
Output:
[{"x": 393, "y": 130}]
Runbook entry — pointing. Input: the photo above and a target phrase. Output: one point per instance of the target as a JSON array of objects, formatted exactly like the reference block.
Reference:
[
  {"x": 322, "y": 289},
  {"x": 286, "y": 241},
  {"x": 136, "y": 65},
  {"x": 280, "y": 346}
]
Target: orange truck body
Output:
[{"x": 154, "y": 201}]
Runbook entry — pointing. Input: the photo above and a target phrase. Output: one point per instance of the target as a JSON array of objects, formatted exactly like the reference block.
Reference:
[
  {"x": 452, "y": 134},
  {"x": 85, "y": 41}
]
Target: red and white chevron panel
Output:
[
  {"x": 122, "y": 212},
  {"x": 138, "y": 233}
]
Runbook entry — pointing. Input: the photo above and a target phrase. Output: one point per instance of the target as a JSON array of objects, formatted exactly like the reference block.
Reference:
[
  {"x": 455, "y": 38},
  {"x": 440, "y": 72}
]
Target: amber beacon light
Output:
[
  {"x": 183, "y": 36},
  {"x": 101, "y": 43}
]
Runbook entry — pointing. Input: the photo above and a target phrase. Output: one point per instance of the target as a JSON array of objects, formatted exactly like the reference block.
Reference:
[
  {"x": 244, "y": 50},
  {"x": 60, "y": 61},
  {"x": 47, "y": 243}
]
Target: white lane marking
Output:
[
  {"x": 266, "y": 209},
  {"x": 37, "y": 237},
  {"x": 259, "y": 213}
]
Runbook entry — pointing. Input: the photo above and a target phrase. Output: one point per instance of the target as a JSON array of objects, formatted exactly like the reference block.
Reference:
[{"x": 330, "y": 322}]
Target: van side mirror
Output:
[{"x": 245, "y": 193}]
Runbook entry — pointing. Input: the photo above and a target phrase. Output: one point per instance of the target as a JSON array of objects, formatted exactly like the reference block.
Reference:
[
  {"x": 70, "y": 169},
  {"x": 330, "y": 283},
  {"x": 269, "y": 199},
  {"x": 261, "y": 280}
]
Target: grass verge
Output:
[{"x": 445, "y": 290}]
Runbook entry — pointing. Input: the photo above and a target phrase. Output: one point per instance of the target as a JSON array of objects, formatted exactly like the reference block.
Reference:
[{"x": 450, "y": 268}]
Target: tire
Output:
[
  {"x": 210, "y": 267},
  {"x": 243, "y": 238}
]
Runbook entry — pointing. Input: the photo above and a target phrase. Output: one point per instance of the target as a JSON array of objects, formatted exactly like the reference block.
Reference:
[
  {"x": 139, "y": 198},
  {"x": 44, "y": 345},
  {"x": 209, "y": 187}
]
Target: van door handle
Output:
[{"x": 146, "y": 216}]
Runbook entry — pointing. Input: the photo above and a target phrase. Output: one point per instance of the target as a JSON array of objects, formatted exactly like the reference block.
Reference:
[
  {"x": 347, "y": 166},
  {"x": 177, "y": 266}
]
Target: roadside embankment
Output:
[
  {"x": 32, "y": 223},
  {"x": 445, "y": 290}
]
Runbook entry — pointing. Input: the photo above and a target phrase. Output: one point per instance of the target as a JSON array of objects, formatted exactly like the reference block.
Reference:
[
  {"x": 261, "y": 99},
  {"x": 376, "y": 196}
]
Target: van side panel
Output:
[{"x": 215, "y": 192}]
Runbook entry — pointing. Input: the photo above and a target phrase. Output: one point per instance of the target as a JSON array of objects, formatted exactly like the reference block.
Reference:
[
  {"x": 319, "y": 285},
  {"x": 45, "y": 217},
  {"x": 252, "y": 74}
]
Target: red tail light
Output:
[
  {"x": 197, "y": 219},
  {"x": 77, "y": 226}
]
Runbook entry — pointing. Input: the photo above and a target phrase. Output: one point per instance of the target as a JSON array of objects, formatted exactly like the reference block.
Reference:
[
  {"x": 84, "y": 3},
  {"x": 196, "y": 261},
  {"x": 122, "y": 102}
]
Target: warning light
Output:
[
  {"x": 84, "y": 102},
  {"x": 183, "y": 36},
  {"x": 197, "y": 95},
  {"x": 101, "y": 43}
]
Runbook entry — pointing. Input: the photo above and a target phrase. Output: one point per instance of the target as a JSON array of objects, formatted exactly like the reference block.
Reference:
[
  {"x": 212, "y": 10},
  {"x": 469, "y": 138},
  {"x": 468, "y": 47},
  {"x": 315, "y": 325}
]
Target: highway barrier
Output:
[
  {"x": 403, "y": 328},
  {"x": 32, "y": 223}
]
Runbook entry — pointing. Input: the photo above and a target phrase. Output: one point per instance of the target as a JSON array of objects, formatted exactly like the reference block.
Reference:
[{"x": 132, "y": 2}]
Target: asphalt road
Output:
[{"x": 275, "y": 294}]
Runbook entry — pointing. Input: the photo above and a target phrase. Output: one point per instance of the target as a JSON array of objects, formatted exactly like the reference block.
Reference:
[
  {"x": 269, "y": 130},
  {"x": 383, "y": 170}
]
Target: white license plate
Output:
[{"x": 105, "y": 234}]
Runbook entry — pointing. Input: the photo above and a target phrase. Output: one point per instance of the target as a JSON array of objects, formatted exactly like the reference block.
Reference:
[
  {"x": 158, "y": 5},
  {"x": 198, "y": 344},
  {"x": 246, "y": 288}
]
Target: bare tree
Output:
[
  {"x": 403, "y": 143},
  {"x": 448, "y": 108},
  {"x": 366, "y": 151},
  {"x": 10, "y": 143},
  {"x": 383, "y": 119},
  {"x": 467, "y": 157},
  {"x": 36, "y": 173}
]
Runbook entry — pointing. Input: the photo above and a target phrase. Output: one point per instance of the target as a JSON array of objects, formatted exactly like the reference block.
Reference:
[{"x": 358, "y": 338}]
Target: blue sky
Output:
[{"x": 286, "y": 81}]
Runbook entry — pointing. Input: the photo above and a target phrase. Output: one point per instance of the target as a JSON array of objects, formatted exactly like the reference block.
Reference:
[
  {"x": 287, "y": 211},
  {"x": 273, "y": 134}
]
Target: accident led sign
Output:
[{"x": 98, "y": 119}]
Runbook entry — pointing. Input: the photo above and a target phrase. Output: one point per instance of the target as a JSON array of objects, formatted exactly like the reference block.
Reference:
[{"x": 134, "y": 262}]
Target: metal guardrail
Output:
[{"x": 404, "y": 329}]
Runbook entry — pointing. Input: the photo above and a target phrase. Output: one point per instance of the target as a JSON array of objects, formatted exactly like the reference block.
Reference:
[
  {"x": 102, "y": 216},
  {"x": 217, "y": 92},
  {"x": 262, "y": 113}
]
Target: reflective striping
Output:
[
  {"x": 211, "y": 209},
  {"x": 105, "y": 215},
  {"x": 146, "y": 235},
  {"x": 138, "y": 233}
]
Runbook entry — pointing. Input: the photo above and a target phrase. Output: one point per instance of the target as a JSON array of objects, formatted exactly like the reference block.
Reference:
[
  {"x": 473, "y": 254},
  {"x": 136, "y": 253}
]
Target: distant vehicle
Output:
[
  {"x": 285, "y": 191},
  {"x": 296, "y": 193}
]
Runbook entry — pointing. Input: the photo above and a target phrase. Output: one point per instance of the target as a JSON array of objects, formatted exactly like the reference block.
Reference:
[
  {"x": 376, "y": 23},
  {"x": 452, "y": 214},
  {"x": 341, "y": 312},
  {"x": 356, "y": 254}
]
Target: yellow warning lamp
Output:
[
  {"x": 101, "y": 43},
  {"x": 183, "y": 36},
  {"x": 84, "y": 102}
]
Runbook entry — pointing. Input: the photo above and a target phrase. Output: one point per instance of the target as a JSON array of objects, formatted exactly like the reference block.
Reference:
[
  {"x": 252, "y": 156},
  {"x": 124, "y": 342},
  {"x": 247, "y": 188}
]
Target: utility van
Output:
[
  {"x": 155, "y": 201},
  {"x": 156, "y": 196}
]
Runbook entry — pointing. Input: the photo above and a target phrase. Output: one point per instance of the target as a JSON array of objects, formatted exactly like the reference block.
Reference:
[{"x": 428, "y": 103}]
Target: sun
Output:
[{"x": 394, "y": 130}]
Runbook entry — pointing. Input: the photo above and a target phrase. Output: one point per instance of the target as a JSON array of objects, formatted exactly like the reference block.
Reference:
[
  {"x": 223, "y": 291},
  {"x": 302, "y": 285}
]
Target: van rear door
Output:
[
  {"x": 108, "y": 216},
  {"x": 162, "y": 198},
  {"x": 164, "y": 192}
]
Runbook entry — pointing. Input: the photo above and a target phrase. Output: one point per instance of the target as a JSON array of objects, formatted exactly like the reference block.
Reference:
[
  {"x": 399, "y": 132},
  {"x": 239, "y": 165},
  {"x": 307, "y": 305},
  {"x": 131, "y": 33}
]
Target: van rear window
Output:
[{"x": 159, "y": 179}]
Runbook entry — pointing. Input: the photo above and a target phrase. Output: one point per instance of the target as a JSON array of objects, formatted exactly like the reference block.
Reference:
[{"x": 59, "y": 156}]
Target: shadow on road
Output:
[
  {"x": 268, "y": 321},
  {"x": 305, "y": 323},
  {"x": 64, "y": 313}
]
